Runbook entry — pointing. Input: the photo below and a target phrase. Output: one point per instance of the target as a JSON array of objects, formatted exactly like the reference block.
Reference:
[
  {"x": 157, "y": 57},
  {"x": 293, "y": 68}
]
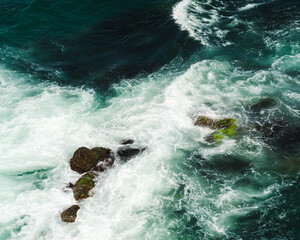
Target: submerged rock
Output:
[
  {"x": 126, "y": 153},
  {"x": 263, "y": 104},
  {"x": 85, "y": 159},
  {"x": 70, "y": 214},
  {"x": 280, "y": 134},
  {"x": 83, "y": 186},
  {"x": 127, "y": 142}
]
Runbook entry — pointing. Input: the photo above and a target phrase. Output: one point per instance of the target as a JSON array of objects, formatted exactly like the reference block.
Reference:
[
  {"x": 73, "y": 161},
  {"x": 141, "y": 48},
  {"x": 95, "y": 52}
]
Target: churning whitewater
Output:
[{"x": 226, "y": 59}]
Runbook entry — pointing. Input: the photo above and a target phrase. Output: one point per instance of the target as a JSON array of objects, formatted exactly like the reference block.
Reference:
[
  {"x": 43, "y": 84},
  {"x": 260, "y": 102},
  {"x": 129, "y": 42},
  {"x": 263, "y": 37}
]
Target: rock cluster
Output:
[
  {"x": 85, "y": 159},
  {"x": 91, "y": 162}
]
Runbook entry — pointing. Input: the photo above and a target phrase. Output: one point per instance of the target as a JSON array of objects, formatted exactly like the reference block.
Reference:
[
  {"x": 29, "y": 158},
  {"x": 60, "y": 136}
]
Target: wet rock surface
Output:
[
  {"x": 101, "y": 153},
  {"x": 83, "y": 160},
  {"x": 70, "y": 214},
  {"x": 205, "y": 122},
  {"x": 83, "y": 186},
  {"x": 224, "y": 128},
  {"x": 91, "y": 162},
  {"x": 127, "y": 142},
  {"x": 127, "y": 152}
]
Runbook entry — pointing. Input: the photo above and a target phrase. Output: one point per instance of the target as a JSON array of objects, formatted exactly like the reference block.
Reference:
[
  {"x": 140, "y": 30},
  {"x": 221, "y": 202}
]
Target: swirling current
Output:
[{"x": 91, "y": 73}]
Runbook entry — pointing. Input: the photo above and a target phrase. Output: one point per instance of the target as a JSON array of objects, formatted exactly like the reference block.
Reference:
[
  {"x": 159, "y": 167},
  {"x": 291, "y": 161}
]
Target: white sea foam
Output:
[
  {"x": 44, "y": 123},
  {"x": 200, "y": 20},
  {"x": 249, "y": 6}
]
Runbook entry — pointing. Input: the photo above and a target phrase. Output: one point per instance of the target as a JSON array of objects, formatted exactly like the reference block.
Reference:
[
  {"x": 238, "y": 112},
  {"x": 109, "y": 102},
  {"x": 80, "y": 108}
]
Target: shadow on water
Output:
[
  {"x": 276, "y": 218},
  {"x": 140, "y": 41}
]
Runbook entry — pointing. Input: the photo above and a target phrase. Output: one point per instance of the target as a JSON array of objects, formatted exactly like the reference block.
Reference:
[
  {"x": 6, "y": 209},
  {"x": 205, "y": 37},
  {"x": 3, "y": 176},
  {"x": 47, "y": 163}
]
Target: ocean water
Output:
[{"x": 92, "y": 73}]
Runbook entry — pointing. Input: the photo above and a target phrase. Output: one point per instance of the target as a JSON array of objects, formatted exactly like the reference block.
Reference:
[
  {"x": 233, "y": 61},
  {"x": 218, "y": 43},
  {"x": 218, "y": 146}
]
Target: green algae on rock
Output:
[
  {"x": 101, "y": 153},
  {"x": 83, "y": 186},
  {"x": 225, "y": 128},
  {"x": 105, "y": 158},
  {"x": 218, "y": 136},
  {"x": 205, "y": 122},
  {"x": 69, "y": 215},
  {"x": 225, "y": 123}
]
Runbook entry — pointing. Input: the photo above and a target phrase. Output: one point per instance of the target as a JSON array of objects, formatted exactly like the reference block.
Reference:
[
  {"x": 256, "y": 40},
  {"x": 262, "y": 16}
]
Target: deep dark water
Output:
[{"x": 139, "y": 39}]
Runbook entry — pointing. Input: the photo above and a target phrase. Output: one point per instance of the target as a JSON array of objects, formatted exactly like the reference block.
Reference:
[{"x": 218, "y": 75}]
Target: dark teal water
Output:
[{"x": 102, "y": 70}]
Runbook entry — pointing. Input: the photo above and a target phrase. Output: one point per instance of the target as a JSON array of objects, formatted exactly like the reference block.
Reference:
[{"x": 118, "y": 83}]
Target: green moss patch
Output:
[
  {"x": 225, "y": 128},
  {"x": 225, "y": 123},
  {"x": 101, "y": 153},
  {"x": 83, "y": 186}
]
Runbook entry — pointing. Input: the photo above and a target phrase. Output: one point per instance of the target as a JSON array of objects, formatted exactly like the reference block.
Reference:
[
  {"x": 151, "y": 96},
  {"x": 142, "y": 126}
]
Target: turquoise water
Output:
[{"x": 91, "y": 74}]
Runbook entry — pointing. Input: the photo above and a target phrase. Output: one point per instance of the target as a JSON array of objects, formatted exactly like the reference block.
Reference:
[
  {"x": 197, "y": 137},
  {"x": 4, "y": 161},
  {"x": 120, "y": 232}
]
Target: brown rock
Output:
[
  {"x": 83, "y": 160},
  {"x": 104, "y": 157},
  {"x": 101, "y": 153},
  {"x": 205, "y": 122},
  {"x": 70, "y": 214}
]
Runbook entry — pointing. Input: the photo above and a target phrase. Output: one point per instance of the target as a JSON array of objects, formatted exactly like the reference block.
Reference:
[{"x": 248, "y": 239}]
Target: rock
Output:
[
  {"x": 83, "y": 160},
  {"x": 205, "y": 122},
  {"x": 70, "y": 185},
  {"x": 104, "y": 157},
  {"x": 83, "y": 186},
  {"x": 280, "y": 134},
  {"x": 127, "y": 142},
  {"x": 217, "y": 136},
  {"x": 104, "y": 165},
  {"x": 101, "y": 153},
  {"x": 225, "y": 123},
  {"x": 208, "y": 122},
  {"x": 70, "y": 214},
  {"x": 263, "y": 104},
  {"x": 126, "y": 153},
  {"x": 224, "y": 127}
]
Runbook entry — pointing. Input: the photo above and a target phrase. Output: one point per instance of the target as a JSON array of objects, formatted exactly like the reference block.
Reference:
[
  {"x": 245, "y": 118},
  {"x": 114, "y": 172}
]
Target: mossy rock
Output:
[
  {"x": 83, "y": 160},
  {"x": 104, "y": 157},
  {"x": 225, "y": 123},
  {"x": 101, "y": 153},
  {"x": 218, "y": 136},
  {"x": 225, "y": 128},
  {"x": 70, "y": 214},
  {"x": 205, "y": 122},
  {"x": 83, "y": 186}
]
